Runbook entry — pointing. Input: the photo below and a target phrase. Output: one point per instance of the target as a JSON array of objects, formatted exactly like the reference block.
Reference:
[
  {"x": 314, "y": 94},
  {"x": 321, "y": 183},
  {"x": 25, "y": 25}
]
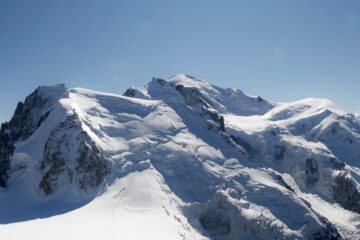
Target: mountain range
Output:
[{"x": 178, "y": 159}]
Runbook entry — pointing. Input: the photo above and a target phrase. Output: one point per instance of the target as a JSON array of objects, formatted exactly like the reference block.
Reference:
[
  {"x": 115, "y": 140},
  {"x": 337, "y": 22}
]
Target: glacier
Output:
[{"x": 178, "y": 159}]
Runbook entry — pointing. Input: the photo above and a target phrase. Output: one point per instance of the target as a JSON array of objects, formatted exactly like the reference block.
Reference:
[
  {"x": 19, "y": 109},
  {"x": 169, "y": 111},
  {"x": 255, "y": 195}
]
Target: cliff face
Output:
[
  {"x": 346, "y": 193},
  {"x": 70, "y": 155},
  {"x": 26, "y": 119},
  {"x": 6, "y": 151}
]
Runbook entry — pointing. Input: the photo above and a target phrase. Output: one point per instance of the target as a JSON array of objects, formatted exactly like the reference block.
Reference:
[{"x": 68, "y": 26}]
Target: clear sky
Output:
[{"x": 280, "y": 50}]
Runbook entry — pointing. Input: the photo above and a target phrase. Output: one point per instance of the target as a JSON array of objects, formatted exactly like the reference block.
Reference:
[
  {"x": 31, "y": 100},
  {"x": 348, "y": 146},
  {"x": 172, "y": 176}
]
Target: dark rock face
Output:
[
  {"x": 244, "y": 146},
  {"x": 24, "y": 122},
  {"x": 217, "y": 223},
  {"x": 223, "y": 219},
  {"x": 215, "y": 118},
  {"x": 312, "y": 171},
  {"x": 6, "y": 151},
  {"x": 161, "y": 81},
  {"x": 346, "y": 194},
  {"x": 71, "y": 156},
  {"x": 282, "y": 182},
  {"x": 337, "y": 164},
  {"x": 215, "y": 218},
  {"x": 328, "y": 232},
  {"x": 279, "y": 152},
  {"x": 50, "y": 179},
  {"x": 192, "y": 95},
  {"x": 130, "y": 92},
  {"x": 91, "y": 165}
]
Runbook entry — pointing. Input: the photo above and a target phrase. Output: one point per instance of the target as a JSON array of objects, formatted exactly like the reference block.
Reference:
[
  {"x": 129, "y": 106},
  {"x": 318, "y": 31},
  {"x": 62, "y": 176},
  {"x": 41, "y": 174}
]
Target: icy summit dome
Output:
[{"x": 178, "y": 158}]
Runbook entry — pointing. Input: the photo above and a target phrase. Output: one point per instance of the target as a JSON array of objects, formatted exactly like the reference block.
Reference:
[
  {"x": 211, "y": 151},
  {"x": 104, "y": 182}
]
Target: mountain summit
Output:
[{"x": 178, "y": 159}]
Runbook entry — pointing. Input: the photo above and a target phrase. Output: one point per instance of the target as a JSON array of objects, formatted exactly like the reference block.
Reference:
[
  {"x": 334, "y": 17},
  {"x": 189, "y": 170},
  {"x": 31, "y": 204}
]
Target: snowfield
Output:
[
  {"x": 133, "y": 207},
  {"x": 178, "y": 159}
]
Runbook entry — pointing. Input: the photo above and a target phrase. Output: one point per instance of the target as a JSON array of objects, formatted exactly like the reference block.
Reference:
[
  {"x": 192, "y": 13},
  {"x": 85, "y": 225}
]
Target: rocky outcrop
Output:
[
  {"x": 312, "y": 171},
  {"x": 215, "y": 122},
  {"x": 345, "y": 193},
  {"x": 241, "y": 145},
  {"x": 193, "y": 96},
  {"x": 91, "y": 166},
  {"x": 279, "y": 152},
  {"x": 6, "y": 151},
  {"x": 130, "y": 92},
  {"x": 227, "y": 218},
  {"x": 215, "y": 219},
  {"x": 70, "y": 156},
  {"x": 337, "y": 164},
  {"x": 26, "y": 119}
]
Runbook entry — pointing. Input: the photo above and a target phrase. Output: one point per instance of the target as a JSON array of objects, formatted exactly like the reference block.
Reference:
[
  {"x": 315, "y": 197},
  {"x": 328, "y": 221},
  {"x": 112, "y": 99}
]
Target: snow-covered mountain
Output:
[{"x": 178, "y": 159}]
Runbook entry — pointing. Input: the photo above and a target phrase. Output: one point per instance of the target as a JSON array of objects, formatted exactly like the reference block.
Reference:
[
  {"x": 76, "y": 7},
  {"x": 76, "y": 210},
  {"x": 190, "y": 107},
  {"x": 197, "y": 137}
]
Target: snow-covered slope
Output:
[{"x": 178, "y": 159}]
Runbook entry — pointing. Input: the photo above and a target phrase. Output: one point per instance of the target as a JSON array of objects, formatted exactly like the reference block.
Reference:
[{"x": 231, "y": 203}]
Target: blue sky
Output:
[{"x": 280, "y": 50}]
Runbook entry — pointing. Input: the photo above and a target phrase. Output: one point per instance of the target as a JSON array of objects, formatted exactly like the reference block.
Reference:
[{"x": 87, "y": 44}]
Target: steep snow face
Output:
[{"x": 178, "y": 159}]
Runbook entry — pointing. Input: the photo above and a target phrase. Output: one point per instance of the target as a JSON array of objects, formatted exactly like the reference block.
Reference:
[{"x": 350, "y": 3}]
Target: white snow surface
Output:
[{"x": 175, "y": 175}]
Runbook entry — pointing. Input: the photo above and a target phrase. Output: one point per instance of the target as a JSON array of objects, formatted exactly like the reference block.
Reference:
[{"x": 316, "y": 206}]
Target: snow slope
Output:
[{"x": 178, "y": 159}]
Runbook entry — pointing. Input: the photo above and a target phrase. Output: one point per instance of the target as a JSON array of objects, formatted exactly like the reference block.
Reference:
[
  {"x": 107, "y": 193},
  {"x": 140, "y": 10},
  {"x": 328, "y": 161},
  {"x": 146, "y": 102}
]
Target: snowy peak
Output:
[
  {"x": 197, "y": 160},
  {"x": 52, "y": 92},
  {"x": 225, "y": 100},
  {"x": 28, "y": 117},
  {"x": 195, "y": 90}
]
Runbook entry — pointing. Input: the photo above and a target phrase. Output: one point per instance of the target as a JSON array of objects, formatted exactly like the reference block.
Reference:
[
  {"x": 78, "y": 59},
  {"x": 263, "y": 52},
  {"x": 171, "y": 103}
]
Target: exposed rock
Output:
[
  {"x": 337, "y": 164},
  {"x": 70, "y": 155},
  {"x": 192, "y": 95},
  {"x": 312, "y": 171},
  {"x": 25, "y": 121},
  {"x": 259, "y": 99},
  {"x": 345, "y": 193},
  {"x": 56, "y": 178},
  {"x": 214, "y": 216},
  {"x": 216, "y": 222},
  {"x": 91, "y": 165},
  {"x": 226, "y": 218},
  {"x": 282, "y": 182},
  {"x": 328, "y": 232},
  {"x": 248, "y": 150},
  {"x": 6, "y": 151},
  {"x": 279, "y": 152},
  {"x": 130, "y": 92},
  {"x": 161, "y": 81},
  {"x": 215, "y": 118}
]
